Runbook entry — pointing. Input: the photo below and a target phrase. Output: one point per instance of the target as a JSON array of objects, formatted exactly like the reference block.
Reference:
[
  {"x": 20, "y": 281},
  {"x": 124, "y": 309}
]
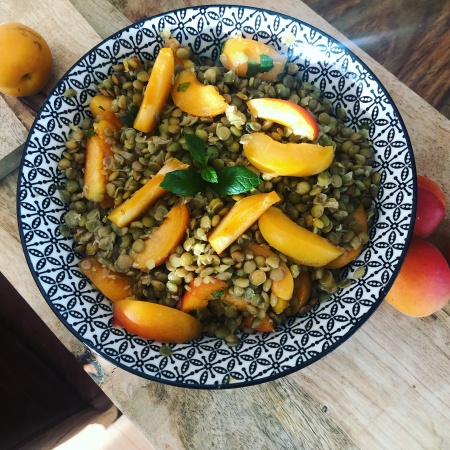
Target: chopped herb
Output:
[
  {"x": 223, "y": 45},
  {"x": 101, "y": 107},
  {"x": 183, "y": 87},
  {"x": 253, "y": 68},
  {"x": 266, "y": 63},
  {"x": 130, "y": 116},
  {"x": 90, "y": 133},
  {"x": 217, "y": 294}
]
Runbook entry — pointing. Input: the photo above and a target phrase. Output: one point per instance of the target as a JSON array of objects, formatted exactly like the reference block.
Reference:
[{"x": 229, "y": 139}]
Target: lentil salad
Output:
[{"x": 324, "y": 203}]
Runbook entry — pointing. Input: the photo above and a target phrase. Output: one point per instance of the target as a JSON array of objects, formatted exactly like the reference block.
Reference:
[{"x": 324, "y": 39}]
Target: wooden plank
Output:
[{"x": 105, "y": 18}]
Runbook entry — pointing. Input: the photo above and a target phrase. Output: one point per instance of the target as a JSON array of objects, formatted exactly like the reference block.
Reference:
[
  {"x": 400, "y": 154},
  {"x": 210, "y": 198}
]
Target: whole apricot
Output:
[
  {"x": 432, "y": 186},
  {"x": 25, "y": 60},
  {"x": 431, "y": 205},
  {"x": 422, "y": 286}
]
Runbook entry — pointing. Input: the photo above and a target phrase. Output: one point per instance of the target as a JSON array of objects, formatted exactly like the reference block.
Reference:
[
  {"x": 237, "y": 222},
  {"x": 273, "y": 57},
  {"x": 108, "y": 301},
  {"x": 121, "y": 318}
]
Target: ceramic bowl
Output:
[{"x": 208, "y": 362}]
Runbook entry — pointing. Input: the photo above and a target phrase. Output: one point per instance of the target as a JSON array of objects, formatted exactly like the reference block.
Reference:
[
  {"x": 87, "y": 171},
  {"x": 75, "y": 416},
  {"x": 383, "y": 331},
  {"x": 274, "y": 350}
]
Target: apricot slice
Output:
[
  {"x": 284, "y": 112},
  {"x": 162, "y": 242},
  {"x": 294, "y": 241},
  {"x": 95, "y": 174},
  {"x": 100, "y": 105},
  {"x": 236, "y": 302},
  {"x": 199, "y": 293},
  {"x": 157, "y": 91},
  {"x": 195, "y": 98},
  {"x": 350, "y": 255},
  {"x": 265, "y": 325},
  {"x": 250, "y": 58},
  {"x": 113, "y": 285},
  {"x": 144, "y": 197},
  {"x": 283, "y": 288},
  {"x": 243, "y": 215},
  {"x": 279, "y": 159},
  {"x": 156, "y": 322},
  {"x": 302, "y": 292}
]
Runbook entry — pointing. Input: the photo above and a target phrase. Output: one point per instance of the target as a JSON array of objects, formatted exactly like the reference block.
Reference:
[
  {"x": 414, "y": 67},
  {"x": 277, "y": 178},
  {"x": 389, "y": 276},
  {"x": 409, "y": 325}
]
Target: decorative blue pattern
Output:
[{"x": 208, "y": 362}]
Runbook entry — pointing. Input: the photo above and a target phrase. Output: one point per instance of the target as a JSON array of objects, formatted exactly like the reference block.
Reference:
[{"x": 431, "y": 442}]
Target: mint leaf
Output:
[
  {"x": 90, "y": 133},
  {"x": 183, "y": 87},
  {"x": 196, "y": 148},
  {"x": 217, "y": 294},
  {"x": 266, "y": 63},
  {"x": 235, "y": 180},
  {"x": 183, "y": 182},
  {"x": 209, "y": 174}
]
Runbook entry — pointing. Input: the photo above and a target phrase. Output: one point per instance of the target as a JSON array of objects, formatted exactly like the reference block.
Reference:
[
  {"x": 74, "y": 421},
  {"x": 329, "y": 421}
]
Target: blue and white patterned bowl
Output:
[{"x": 208, "y": 362}]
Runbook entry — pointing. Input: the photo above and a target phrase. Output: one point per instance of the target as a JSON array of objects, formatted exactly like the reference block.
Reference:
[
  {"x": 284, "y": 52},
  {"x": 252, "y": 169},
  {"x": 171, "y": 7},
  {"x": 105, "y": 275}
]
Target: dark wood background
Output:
[{"x": 410, "y": 38}]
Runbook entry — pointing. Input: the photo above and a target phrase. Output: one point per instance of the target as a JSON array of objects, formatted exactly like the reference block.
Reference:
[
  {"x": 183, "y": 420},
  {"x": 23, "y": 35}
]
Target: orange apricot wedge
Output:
[
  {"x": 144, "y": 197},
  {"x": 236, "y": 302},
  {"x": 298, "y": 243},
  {"x": 250, "y": 58},
  {"x": 195, "y": 98},
  {"x": 349, "y": 255},
  {"x": 156, "y": 322},
  {"x": 162, "y": 242},
  {"x": 95, "y": 174},
  {"x": 157, "y": 91},
  {"x": 265, "y": 325},
  {"x": 286, "y": 159},
  {"x": 200, "y": 292},
  {"x": 301, "y": 292},
  {"x": 243, "y": 215},
  {"x": 100, "y": 105},
  {"x": 113, "y": 285},
  {"x": 283, "y": 288},
  {"x": 284, "y": 112}
]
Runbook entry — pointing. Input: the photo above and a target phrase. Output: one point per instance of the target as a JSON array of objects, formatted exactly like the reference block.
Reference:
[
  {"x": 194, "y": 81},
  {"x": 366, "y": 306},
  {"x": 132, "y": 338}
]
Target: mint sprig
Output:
[{"x": 228, "y": 181}]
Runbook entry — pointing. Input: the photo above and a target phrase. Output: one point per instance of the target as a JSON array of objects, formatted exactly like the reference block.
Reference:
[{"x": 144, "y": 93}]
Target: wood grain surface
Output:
[{"x": 385, "y": 388}]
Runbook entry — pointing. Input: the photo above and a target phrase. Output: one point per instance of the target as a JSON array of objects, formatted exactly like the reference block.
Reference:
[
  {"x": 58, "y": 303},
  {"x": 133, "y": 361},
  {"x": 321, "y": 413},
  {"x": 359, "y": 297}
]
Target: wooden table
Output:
[{"x": 386, "y": 387}]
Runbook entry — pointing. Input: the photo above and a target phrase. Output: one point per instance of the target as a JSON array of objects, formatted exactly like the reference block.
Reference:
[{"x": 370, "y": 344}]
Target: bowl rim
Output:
[{"x": 362, "y": 319}]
